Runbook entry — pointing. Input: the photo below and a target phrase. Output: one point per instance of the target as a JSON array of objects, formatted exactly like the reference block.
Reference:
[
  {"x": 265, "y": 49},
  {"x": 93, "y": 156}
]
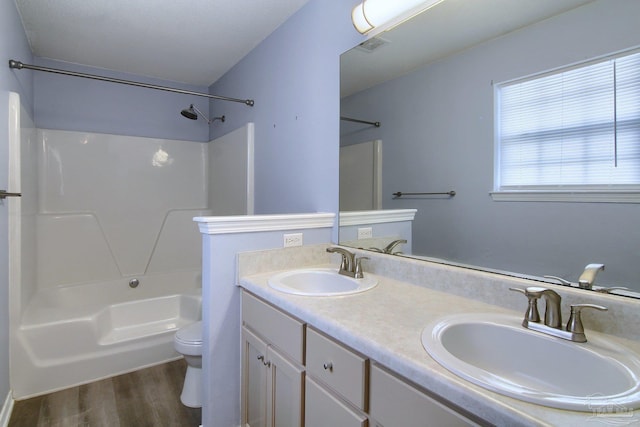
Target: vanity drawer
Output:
[
  {"x": 276, "y": 327},
  {"x": 338, "y": 367},
  {"x": 396, "y": 403},
  {"x": 323, "y": 409}
]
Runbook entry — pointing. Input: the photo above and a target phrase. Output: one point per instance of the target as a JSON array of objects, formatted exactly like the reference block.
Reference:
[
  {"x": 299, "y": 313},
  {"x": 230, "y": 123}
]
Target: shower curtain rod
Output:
[
  {"x": 349, "y": 119},
  {"x": 19, "y": 66}
]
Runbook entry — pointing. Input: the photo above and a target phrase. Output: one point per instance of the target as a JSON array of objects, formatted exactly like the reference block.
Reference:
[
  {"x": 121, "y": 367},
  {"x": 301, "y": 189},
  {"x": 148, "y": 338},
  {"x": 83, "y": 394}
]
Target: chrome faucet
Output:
[
  {"x": 586, "y": 280},
  {"x": 350, "y": 265},
  {"x": 588, "y": 276},
  {"x": 389, "y": 248},
  {"x": 574, "y": 331},
  {"x": 552, "y": 315}
]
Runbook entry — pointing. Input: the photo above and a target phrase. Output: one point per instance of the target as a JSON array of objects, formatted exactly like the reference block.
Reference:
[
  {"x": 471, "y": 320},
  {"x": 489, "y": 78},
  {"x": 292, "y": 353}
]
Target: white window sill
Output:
[{"x": 583, "y": 196}]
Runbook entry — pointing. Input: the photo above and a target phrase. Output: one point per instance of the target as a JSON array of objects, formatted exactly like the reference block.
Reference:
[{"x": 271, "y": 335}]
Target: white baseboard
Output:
[{"x": 5, "y": 414}]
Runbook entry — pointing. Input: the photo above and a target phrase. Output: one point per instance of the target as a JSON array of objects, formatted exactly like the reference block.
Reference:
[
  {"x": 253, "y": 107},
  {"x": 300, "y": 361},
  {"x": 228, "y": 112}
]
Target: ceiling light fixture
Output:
[{"x": 371, "y": 14}]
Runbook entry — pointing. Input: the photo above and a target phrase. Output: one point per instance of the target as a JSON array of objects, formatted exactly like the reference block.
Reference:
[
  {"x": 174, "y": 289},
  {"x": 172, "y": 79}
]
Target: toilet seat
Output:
[{"x": 188, "y": 340}]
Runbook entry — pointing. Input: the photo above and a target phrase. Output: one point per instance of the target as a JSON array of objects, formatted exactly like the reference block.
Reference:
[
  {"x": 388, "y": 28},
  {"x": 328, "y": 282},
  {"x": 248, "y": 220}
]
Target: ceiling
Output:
[
  {"x": 192, "y": 42},
  {"x": 445, "y": 29}
]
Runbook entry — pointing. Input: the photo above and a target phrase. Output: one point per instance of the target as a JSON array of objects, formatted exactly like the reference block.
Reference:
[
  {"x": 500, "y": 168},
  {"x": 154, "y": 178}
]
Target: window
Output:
[{"x": 573, "y": 134}]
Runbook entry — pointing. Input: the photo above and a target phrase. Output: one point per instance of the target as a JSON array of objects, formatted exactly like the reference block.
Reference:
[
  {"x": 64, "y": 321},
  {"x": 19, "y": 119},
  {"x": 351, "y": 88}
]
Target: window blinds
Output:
[{"x": 577, "y": 129}]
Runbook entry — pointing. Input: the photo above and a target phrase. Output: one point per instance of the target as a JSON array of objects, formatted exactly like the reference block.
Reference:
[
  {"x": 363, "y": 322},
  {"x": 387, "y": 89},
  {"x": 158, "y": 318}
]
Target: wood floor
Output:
[{"x": 149, "y": 397}]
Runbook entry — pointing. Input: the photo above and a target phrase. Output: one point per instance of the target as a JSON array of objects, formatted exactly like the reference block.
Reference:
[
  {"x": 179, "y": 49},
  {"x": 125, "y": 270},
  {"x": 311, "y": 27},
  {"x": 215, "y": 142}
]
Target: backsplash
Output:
[
  {"x": 481, "y": 286},
  {"x": 257, "y": 262}
]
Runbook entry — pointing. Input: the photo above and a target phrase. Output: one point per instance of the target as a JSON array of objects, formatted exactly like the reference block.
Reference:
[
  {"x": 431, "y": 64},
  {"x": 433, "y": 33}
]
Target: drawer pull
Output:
[
  {"x": 328, "y": 366},
  {"x": 265, "y": 363}
]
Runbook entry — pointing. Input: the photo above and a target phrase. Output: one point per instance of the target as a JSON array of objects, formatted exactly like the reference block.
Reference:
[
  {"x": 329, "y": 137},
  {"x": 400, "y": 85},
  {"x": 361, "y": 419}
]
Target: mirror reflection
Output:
[{"x": 430, "y": 83}]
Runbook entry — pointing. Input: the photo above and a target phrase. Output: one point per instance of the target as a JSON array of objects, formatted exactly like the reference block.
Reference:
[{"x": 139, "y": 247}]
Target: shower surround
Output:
[{"x": 98, "y": 211}]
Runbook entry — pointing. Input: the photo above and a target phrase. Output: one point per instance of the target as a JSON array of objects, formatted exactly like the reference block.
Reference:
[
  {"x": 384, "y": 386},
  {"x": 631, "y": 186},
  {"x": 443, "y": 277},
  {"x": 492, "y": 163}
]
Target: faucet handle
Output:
[
  {"x": 345, "y": 262},
  {"x": 533, "y": 293},
  {"x": 574, "y": 325},
  {"x": 359, "y": 273}
]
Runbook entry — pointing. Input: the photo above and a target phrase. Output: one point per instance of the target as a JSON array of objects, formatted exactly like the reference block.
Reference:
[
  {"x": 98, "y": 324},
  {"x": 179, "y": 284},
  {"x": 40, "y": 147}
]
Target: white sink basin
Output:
[
  {"x": 496, "y": 352},
  {"x": 320, "y": 282}
]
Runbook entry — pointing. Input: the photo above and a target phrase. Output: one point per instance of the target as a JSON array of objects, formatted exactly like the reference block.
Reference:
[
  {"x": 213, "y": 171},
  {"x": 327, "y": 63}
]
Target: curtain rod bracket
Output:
[{"x": 15, "y": 64}]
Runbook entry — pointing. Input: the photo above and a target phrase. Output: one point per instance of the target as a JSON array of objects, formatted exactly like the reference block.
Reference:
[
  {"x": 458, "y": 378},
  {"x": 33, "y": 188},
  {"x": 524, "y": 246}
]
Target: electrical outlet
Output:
[
  {"x": 365, "y": 233},
  {"x": 293, "y": 239}
]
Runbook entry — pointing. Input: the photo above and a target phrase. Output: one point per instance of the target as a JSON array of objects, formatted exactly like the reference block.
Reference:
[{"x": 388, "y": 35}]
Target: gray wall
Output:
[
  {"x": 440, "y": 137},
  {"x": 77, "y": 104},
  {"x": 293, "y": 76},
  {"x": 13, "y": 44}
]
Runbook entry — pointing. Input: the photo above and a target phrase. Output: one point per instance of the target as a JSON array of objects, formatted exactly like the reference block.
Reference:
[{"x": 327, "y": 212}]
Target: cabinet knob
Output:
[{"x": 328, "y": 366}]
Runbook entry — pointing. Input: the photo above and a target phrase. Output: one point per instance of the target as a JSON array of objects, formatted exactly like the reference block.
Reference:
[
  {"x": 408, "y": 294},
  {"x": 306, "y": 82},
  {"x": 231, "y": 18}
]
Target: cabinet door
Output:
[
  {"x": 254, "y": 380},
  {"x": 285, "y": 398},
  {"x": 322, "y": 409}
]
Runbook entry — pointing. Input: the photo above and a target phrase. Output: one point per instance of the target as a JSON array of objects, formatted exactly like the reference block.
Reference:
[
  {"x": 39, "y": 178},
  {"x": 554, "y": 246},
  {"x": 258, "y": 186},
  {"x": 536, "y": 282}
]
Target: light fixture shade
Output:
[{"x": 374, "y": 13}]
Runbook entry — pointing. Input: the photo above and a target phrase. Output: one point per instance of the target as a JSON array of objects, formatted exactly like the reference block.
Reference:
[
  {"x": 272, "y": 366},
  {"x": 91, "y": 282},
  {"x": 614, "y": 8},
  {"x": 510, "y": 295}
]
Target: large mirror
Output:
[{"x": 430, "y": 84}]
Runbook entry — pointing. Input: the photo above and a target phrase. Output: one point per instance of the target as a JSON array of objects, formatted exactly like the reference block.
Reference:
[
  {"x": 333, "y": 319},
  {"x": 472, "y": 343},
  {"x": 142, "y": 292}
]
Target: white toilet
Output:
[{"x": 188, "y": 342}]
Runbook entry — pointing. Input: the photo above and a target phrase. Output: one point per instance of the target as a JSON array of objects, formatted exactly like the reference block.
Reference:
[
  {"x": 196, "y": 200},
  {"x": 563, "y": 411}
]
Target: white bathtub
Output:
[{"x": 77, "y": 334}]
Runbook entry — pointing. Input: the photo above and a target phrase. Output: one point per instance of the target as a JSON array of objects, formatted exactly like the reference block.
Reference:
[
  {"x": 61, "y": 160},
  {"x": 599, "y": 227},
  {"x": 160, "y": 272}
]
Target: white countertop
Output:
[{"x": 385, "y": 324}]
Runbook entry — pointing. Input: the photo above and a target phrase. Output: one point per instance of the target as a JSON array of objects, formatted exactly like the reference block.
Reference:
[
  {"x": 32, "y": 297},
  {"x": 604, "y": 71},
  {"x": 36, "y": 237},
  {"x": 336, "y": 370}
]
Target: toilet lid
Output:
[{"x": 191, "y": 333}]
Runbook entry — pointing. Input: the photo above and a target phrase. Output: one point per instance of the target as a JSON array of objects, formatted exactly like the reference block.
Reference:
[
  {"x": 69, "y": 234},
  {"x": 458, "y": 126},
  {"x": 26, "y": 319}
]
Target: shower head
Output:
[{"x": 192, "y": 114}]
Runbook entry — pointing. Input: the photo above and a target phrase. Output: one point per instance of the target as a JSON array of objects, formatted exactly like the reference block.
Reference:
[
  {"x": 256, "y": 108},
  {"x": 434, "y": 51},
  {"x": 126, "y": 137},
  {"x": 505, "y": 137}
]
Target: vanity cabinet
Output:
[
  {"x": 328, "y": 384},
  {"x": 272, "y": 366}
]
